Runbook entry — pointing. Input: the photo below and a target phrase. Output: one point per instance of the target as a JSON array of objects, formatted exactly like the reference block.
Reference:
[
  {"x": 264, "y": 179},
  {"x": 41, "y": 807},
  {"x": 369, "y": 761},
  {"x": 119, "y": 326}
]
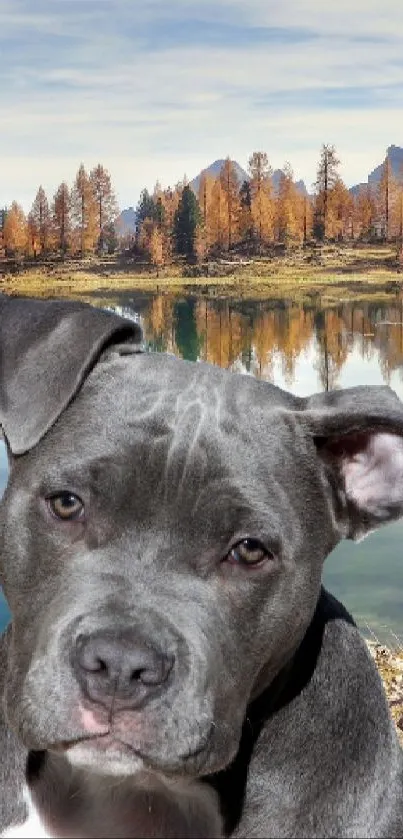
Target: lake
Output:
[{"x": 302, "y": 347}]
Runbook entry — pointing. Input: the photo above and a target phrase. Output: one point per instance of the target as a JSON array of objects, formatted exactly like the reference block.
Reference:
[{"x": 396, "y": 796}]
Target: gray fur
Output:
[{"x": 273, "y": 700}]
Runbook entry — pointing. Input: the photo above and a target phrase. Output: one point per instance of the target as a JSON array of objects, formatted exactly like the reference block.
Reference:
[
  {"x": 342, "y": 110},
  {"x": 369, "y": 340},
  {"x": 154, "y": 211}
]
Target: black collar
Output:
[{"x": 230, "y": 783}]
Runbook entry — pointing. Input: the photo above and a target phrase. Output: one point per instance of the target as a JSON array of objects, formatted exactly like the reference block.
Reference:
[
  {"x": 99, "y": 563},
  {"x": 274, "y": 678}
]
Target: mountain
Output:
[
  {"x": 126, "y": 222},
  {"x": 214, "y": 170},
  {"x": 395, "y": 157},
  {"x": 276, "y": 179}
]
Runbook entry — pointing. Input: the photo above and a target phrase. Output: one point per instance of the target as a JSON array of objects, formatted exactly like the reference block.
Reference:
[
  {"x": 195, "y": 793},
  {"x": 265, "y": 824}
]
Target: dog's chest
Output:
[{"x": 32, "y": 828}]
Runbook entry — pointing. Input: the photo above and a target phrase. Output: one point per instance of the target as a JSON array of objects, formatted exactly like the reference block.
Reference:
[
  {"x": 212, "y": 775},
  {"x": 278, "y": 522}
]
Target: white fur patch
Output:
[{"x": 32, "y": 828}]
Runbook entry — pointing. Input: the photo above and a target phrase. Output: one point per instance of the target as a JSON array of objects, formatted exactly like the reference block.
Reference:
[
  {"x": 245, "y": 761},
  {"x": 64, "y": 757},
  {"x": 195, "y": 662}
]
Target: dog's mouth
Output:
[{"x": 108, "y": 747}]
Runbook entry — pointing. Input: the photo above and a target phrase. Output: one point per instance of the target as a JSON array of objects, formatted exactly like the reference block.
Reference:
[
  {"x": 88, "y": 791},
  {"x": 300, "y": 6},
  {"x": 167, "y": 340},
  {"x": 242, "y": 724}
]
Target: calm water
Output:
[{"x": 303, "y": 348}]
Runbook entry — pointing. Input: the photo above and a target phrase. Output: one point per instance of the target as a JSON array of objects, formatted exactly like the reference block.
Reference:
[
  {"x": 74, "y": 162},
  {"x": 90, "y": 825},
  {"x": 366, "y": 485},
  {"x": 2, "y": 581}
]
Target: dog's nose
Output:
[{"x": 119, "y": 669}]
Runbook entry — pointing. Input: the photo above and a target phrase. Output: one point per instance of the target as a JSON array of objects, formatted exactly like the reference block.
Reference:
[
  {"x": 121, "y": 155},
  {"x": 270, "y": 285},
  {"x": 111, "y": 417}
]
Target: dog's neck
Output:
[
  {"x": 271, "y": 694},
  {"x": 75, "y": 803}
]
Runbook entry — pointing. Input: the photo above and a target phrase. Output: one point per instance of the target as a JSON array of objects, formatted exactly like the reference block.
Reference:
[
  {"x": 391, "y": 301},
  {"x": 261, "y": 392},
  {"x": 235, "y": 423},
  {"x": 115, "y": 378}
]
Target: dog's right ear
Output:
[{"x": 47, "y": 348}]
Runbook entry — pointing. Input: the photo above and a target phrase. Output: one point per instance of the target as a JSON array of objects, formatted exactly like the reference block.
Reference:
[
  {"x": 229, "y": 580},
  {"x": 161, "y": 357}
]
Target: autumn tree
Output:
[
  {"x": 187, "y": 220},
  {"x": 262, "y": 204},
  {"x": 327, "y": 175},
  {"x": 340, "y": 208},
  {"x": 217, "y": 222},
  {"x": 288, "y": 205},
  {"x": 364, "y": 212},
  {"x": 306, "y": 217},
  {"x": 85, "y": 211},
  {"x": 15, "y": 231},
  {"x": 107, "y": 207},
  {"x": 39, "y": 222},
  {"x": 156, "y": 247},
  {"x": 230, "y": 194},
  {"x": 205, "y": 199},
  {"x": 61, "y": 216},
  {"x": 166, "y": 207}
]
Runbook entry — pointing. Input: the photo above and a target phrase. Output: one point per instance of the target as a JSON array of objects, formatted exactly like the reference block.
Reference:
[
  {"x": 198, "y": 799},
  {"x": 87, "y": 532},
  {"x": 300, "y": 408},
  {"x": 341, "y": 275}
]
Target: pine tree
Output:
[
  {"x": 187, "y": 220},
  {"x": 245, "y": 218},
  {"x": 146, "y": 208}
]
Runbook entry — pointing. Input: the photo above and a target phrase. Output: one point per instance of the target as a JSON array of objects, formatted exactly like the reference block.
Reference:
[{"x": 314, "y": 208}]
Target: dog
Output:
[{"x": 173, "y": 665}]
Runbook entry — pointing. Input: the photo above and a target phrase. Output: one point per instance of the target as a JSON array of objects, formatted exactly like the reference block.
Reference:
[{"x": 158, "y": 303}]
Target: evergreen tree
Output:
[
  {"x": 245, "y": 218},
  {"x": 146, "y": 208},
  {"x": 187, "y": 220}
]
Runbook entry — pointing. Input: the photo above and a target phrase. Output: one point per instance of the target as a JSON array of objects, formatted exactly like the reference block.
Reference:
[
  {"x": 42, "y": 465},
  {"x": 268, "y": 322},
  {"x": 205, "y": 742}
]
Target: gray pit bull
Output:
[{"x": 174, "y": 666}]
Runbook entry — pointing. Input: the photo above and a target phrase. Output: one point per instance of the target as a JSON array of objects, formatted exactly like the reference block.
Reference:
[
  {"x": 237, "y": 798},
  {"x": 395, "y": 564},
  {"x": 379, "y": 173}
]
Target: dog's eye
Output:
[
  {"x": 66, "y": 506},
  {"x": 248, "y": 552}
]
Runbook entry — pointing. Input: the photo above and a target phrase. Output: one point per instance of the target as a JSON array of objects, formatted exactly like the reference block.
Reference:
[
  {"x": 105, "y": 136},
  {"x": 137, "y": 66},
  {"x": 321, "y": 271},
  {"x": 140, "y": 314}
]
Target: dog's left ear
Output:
[
  {"x": 47, "y": 348},
  {"x": 358, "y": 434}
]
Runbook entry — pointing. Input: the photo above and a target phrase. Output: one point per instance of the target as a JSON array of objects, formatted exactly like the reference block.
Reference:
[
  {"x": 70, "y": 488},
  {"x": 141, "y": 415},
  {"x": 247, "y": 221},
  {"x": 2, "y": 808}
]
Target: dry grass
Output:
[
  {"x": 390, "y": 666},
  {"x": 337, "y": 273}
]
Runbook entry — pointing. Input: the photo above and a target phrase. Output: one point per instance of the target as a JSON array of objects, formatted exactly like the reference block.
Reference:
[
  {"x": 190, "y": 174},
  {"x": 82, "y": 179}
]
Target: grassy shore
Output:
[{"x": 334, "y": 273}]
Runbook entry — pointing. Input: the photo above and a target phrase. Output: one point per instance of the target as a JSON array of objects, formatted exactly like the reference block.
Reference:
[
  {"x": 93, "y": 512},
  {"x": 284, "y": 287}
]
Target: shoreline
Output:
[
  {"x": 296, "y": 285},
  {"x": 335, "y": 271}
]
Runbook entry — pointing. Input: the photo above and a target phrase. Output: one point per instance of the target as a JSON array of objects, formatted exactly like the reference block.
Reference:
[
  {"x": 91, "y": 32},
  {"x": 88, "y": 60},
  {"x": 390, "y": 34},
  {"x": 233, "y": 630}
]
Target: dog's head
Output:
[{"x": 163, "y": 533}]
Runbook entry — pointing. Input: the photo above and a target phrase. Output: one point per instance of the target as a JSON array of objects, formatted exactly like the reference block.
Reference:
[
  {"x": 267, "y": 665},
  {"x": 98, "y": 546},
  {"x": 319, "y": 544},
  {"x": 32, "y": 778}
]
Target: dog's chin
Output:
[
  {"x": 104, "y": 756},
  {"x": 107, "y": 754}
]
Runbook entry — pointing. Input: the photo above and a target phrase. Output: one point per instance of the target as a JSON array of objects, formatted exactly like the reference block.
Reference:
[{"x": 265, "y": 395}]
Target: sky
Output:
[{"x": 158, "y": 89}]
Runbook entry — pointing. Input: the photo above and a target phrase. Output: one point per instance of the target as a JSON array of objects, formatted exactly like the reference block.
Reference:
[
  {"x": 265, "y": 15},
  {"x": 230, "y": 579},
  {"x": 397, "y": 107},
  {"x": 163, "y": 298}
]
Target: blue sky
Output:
[{"x": 156, "y": 89}]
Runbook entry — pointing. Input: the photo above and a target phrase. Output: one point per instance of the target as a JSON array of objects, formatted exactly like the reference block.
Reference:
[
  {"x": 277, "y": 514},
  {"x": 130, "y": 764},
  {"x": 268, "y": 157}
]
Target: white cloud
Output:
[{"x": 158, "y": 114}]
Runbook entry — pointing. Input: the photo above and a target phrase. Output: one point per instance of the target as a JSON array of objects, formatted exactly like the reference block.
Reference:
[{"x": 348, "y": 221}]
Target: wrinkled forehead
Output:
[
  {"x": 152, "y": 395},
  {"x": 165, "y": 420}
]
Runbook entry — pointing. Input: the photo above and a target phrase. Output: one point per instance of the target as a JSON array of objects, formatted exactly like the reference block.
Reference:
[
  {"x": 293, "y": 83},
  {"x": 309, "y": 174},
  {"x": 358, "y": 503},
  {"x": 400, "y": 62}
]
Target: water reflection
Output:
[{"x": 303, "y": 347}]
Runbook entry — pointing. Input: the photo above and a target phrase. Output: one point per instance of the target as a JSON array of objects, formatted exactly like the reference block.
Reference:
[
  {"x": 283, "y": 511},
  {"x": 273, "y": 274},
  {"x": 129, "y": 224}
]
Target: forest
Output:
[{"x": 223, "y": 216}]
